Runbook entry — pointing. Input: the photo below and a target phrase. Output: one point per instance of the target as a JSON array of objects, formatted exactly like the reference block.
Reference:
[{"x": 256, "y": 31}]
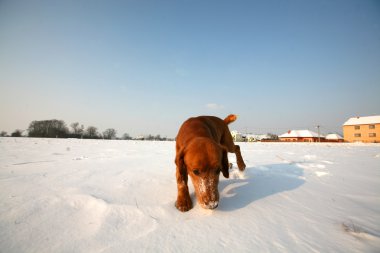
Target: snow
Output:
[
  {"x": 299, "y": 133},
  {"x": 334, "y": 137},
  {"x": 68, "y": 195},
  {"x": 362, "y": 120}
]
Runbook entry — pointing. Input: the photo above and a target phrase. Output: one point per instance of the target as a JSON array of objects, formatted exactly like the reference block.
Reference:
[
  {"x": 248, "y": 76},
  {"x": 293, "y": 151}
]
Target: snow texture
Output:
[{"x": 71, "y": 195}]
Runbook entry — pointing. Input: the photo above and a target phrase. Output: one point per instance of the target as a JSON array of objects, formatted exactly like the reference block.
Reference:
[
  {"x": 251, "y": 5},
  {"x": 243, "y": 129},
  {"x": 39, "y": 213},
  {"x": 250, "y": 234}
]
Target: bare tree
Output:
[
  {"x": 92, "y": 133},
  {"x": 48, "y": 128},
  {"x": 77, "y": 130},
  {"x": 17, "y": 133},
  {"x": 109, "y": 133},
  {"x": 126, "y": 137},
  {"x": 149, "y": 137},
  {"x": 3, "y": 134},
  {"x": 272, "y": 136},
  {"x": 75, "y": 127}
]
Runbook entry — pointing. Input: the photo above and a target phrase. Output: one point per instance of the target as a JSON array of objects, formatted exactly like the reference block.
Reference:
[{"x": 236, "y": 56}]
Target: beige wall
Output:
[{"x": 364, "y": 131}]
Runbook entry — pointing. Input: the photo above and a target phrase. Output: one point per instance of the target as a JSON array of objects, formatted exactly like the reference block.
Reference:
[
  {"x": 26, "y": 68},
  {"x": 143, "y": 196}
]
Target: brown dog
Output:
[{"x": 201, "y": 151}]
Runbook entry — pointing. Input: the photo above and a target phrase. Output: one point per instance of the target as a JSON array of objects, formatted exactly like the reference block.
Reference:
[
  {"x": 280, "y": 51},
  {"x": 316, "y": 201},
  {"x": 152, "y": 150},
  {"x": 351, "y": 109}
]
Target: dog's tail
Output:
[{"x": 230, "y": 118}]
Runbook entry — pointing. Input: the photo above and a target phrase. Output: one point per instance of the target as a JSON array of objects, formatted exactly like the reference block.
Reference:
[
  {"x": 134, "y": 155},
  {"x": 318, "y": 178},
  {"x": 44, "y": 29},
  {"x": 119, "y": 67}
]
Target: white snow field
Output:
[{"x": 68, "y": 195}]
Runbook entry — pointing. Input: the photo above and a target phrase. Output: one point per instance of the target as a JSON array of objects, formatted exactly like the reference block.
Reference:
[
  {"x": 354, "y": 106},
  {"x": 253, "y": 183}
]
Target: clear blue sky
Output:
[{"x": 143, "y": 67}]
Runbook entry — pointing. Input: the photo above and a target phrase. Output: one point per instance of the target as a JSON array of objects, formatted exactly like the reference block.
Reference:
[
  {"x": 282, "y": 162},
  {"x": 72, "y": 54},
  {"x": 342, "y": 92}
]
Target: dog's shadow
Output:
[{"x": 258, "y": 183}]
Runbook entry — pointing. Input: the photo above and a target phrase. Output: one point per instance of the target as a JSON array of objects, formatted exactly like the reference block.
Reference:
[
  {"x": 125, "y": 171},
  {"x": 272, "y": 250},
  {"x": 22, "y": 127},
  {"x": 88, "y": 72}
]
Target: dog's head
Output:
[{"x": 203, "y": 159}]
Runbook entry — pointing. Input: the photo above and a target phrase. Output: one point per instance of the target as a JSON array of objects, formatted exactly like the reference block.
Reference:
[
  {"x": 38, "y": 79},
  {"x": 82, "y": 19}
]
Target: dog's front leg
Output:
[{"x": 183, "y": 202}]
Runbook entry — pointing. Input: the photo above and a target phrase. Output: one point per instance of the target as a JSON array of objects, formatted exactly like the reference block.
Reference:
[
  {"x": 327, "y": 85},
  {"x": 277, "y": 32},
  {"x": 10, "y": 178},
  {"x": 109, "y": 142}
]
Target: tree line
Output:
[{"x": 58, "y": 129}]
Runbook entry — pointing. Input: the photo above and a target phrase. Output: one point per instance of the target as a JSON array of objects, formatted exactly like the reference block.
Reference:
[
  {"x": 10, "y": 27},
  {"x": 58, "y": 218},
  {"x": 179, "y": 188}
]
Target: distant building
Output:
[
  {"x": 257, "y": 137},
  {"x": 362, "y": 129},
  {"x": 301, "y": 136},
  {"x": 238, "y": 137},
  {"x": 139, "y": 138},
  {"x": 334, "y": 138}
]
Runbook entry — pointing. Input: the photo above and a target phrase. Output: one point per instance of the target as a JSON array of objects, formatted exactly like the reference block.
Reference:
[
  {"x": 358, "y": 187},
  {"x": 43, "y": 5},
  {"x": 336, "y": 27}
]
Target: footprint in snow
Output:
[{"x": 359, "y": 231}]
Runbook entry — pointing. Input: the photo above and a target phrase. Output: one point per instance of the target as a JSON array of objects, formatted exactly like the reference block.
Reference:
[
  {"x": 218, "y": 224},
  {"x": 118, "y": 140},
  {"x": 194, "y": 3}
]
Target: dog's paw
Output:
[
  {"x": 184, "y": 204},
  {"x": 241, "y": 166},
  {"x": 236, "y": 173}
]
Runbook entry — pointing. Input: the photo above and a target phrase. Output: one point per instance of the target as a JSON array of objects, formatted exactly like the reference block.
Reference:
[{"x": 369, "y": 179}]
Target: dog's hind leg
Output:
[
  {"x": 228, "y": 142},
  {"x": 239, "y": 158}
]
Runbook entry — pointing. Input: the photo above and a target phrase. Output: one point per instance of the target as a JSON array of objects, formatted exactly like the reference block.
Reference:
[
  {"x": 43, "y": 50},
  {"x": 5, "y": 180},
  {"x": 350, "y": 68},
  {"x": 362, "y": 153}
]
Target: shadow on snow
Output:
[{"x": 260, "y": 182}]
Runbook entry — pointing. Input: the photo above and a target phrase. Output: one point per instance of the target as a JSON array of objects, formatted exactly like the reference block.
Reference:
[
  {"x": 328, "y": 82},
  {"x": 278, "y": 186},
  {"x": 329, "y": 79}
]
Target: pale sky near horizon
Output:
[{"x": 143, "y": 67}]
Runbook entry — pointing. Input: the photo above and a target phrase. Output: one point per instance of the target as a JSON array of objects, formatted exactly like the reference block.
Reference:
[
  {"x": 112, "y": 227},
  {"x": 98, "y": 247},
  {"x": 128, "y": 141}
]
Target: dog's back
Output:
[{"x": 204, "y": 126}]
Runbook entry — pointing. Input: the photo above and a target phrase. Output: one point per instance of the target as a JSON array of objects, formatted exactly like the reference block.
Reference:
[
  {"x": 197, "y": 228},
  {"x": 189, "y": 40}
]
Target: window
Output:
[
  {"x": 371, "y": 126},
  {"x": 372, "y": 135},
  {"x": 357, "y": 127},
  {"x": 358, "y": 135}
]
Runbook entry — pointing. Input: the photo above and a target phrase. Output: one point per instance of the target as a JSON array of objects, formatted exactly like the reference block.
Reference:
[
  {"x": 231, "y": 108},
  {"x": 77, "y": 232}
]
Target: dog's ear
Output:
[
  {"x": 180, "y": 162},
  {"x": 225, "y": 164}
]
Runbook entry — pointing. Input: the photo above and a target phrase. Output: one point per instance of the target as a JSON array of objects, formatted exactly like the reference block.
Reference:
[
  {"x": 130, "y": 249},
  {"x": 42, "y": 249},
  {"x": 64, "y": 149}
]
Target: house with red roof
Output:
[{"x": 301, "y": 136}]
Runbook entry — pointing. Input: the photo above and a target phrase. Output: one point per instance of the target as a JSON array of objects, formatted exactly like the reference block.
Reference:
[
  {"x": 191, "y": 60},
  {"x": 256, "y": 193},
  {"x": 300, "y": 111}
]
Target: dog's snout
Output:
[{"x": 211, "y": 205}]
